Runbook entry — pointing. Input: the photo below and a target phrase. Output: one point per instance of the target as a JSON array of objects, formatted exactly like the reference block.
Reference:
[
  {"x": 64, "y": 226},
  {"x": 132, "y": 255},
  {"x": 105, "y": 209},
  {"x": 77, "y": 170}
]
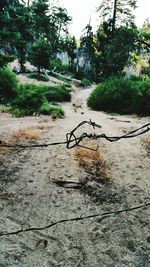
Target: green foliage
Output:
[
  {"x": 29, "y": 99},
  {"x": 121, "y": 96},
  {"x": 146, "y": 70},
  {"x": 40, "y": 77},
  {"x": 54, "y": 110},
  {"x": 33, "y": 100},
  {"x": 40, "y": 54},
  {"x": 114, "y": 95},
  {"x": 135, "y": 78},
  {"x": 56, "y": 65},
  {"x": 113, "y": 51},
  {"x": 4, "y": 109},
  {"x": 118, "y": 12},
  {"x": 85, "y": 83},
  {"x": 57, "y": 93},
  {"x": 8, "y": 84},
  {"x": 142, "y": 104}
]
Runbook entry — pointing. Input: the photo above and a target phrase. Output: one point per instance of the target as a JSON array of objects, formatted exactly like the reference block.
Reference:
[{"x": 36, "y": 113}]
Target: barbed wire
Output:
[
  {"x": 81, "y": 218},
  {"x": 72, "y": 140}
]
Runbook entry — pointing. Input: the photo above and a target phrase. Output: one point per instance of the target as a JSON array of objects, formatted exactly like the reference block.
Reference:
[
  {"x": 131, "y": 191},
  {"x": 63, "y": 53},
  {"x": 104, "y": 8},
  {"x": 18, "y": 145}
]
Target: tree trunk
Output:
[{"x": 114, "y": 16}]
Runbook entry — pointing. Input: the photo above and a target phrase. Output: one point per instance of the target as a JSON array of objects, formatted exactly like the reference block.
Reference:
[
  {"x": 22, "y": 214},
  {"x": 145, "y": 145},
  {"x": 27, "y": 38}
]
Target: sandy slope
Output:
[{"x": 29, "y": 197}]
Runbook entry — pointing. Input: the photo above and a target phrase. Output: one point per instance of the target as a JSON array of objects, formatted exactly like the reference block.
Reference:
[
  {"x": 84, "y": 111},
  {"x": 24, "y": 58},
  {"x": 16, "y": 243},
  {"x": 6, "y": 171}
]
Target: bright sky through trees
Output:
[{"x": 82, "y": 10}]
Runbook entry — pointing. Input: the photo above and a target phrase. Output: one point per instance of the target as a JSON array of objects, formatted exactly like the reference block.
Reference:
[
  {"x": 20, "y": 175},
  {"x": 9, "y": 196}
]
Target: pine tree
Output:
[
  {"x": 118, "y": 12},
  {"x": 40, "y": 54}
]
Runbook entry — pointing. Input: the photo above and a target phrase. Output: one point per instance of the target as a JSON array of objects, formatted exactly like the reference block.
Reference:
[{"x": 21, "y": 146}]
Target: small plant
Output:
[
  {"x": 57, "y": 66},
  {"x": 85, "y": 83},
  {"x": 135, "y": 78},
  {"x": 28, "y": 101},
  {"x": 41, "y": 77},
  {"x": 58, "y": 93},
  {"x": 54, "y": 110},
  {"x": 8, "y": 84},
  {"x": 4, "y": 109}
]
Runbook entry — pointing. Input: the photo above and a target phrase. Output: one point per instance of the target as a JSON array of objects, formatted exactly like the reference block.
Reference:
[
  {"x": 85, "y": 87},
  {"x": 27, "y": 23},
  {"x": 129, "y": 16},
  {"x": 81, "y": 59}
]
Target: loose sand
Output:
[{"x": 115, "y": 177}]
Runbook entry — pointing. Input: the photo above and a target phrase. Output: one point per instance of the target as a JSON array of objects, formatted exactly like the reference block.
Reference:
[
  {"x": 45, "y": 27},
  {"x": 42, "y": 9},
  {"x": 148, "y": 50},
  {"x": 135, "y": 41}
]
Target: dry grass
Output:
[
  {"x": 93, "y": 162},
  {"x": 27, "y": 134},
  {"x": 32, "y": 133}
]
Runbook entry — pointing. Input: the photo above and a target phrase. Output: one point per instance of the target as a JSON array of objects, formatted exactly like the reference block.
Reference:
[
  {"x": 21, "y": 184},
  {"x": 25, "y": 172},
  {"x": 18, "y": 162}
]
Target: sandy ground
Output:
[{"x": 120, "y": 178}]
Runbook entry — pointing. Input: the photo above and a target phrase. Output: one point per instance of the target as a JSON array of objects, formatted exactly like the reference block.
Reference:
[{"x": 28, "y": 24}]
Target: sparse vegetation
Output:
[
  {"x": 8, "y": 84},
  {"x": 58, "y": 93},
  {"x": 85, "y": 83},
  {"x": 93, "y": 162},
  {"x": 41, "y": 77}
]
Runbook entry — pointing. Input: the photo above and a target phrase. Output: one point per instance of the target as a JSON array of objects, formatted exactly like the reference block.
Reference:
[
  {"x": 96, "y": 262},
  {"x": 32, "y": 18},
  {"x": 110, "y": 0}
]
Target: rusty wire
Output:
[
  {"x": 72, "y": 140},
  {"x": 76, "y": 219}
]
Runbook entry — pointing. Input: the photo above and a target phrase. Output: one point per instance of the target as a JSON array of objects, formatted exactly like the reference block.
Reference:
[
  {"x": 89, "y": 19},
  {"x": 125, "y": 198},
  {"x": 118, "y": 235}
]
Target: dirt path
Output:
[{"x": 29, "y": 197}]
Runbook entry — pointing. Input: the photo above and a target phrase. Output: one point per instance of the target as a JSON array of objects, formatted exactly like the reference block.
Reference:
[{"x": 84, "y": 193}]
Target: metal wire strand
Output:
[{"x": 72, "y": 140}]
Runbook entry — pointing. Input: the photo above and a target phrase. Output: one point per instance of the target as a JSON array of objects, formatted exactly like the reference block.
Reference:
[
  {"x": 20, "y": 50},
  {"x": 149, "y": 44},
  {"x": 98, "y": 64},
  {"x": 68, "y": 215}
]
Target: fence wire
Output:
[
  {"x": 76, "y": 219},
  {"x": 72, "y": 140}
]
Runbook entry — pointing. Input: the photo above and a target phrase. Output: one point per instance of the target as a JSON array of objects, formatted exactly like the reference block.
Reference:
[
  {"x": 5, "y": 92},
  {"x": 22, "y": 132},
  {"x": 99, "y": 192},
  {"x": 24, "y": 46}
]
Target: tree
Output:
[
  {"x": 41, "y": 19},
  {"x": 49, "y": 22},
  {"x": 87, "y": 41},
  {"x": 113, "y": 52},
  {"x": 40, "y": 54},
  {"x": 23, "y": 22},
  {"x": 69, "y": 45},
  {"x": 118, "y": 12}
]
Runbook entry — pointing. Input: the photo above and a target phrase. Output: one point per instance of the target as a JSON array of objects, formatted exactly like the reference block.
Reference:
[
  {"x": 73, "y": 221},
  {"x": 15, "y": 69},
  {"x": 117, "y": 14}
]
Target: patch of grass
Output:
[
  {"x": 58, "y": 93},
  {"x": 54, "y": 110},
  {"x": 61, "y": 78},
  {"x": 85, "y": 83},
  {"x": 41, "y": 77},
  {"x": 5, "y": 109}
]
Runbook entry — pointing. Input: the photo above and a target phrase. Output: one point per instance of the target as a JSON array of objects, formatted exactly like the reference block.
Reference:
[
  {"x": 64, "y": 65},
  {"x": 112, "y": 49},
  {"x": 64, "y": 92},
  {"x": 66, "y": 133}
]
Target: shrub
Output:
[
  {"x": 85, "y": 83},
  {"x": 8, "y": 84},
  {"x": 40, "y": 77},
  {"x": 57, "y": 66},
  {"x": 122, "y": 96},
  {"x": 142, "y": 104},
  {"x": 114, "y": 95},
  {"x": 54, "y": 110},
  {"x": 135, "y": 78},
  {"x": 29, "y": 99},
  {"x": 57, "y": 93}
]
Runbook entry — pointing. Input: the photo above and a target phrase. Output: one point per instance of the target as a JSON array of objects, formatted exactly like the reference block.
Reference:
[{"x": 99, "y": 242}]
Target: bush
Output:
[
  {"x": 121, "y": 96},
  {"x": 41, "y": 77},
  {"x": 114, "y": 95},
  {"x": 57, "y": 93},
  {"x": 29, "y": 99},
  {"x": 8, "y": 84},
  {"x": 135, "y": 78},
  {"x": 85, "y": 83},
  {"x": 57, "y": 66},
  {"x": 142, "y": 104},
  {"x": 54, "y": 110}
]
